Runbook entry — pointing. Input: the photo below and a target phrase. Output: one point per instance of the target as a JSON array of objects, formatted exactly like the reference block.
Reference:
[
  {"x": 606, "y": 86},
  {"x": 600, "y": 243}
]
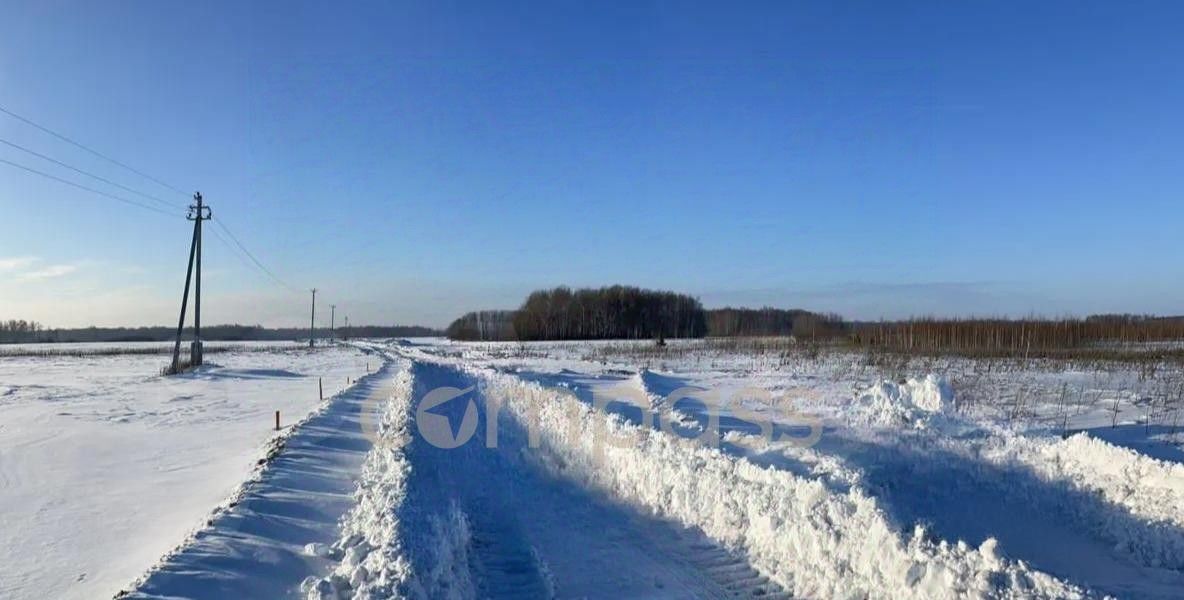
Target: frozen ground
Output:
[
  {"x": 601, "y": 470},
  {"x": 105, "y": 466}
]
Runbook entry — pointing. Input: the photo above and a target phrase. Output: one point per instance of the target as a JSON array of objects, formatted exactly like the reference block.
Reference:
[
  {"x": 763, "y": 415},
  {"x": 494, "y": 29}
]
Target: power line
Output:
[
  {"x": 252, "y": 257},
  {"x": 91, "y": 175},
  {"x": 92, "y": 151},
  {"x": 235, "y": 251},
  {"x": 241, "y": 254},
  {"x": 89, "y": 189}
]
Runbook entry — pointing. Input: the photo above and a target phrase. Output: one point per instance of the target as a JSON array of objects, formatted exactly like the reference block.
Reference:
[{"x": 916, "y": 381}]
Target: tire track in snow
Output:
[
  {"x": 536, "y": 536},
  {"x": 487, "y": 522}
]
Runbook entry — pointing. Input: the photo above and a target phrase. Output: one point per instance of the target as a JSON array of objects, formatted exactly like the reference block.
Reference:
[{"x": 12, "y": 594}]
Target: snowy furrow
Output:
[{"x": 815, "y": 541}]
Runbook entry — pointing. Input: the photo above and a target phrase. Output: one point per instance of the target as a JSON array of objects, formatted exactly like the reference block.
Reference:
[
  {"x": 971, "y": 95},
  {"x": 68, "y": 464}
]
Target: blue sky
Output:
[{"x": 415, "y": 160}]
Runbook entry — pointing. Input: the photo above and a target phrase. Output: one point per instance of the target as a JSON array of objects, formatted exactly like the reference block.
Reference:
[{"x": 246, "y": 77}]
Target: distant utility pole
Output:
[
  {"x": 312, "y": 321},
  {"x": 198, "y": 212},
  {"x": 332, "y": 316},
  {"x": 347, "y": 327}
]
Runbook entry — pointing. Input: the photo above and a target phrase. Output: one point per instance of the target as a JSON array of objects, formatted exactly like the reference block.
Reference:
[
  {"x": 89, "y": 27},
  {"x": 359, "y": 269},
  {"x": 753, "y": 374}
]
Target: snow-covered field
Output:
[
  {"x": 105, "y": 465},
  {"x": 602, "y": 470}
]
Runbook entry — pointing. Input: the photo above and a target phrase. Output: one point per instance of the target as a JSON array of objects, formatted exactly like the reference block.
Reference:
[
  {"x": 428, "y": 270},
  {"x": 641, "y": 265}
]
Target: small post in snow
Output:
[
  {"x": 320, "y": 388},
  {"x": 277, "y": 420}
]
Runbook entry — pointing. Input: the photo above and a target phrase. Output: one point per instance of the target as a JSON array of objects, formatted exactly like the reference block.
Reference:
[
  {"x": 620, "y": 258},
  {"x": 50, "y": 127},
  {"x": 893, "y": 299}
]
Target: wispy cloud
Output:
[
  {"x": 48, "y": 272},
  {"x": 17, "y": 262}
]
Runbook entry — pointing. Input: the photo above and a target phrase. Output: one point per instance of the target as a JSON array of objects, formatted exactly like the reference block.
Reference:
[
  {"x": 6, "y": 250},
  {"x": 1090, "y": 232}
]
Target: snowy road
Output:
[
  {"x": 539, "y": 536},
  {"x": 481, "y": 521}
]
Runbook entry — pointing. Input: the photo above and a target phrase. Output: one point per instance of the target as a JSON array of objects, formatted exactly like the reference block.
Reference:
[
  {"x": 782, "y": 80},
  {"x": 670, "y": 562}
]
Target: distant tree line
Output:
[
  {"x": 733, "y": 322},
  {"x": 624, "y": 312},
  {"x": 614, "y": 312},
  {"x": 1015, "y": 337},
  {"x": 372, "y": 331},
  {"x": 483, "y": 325},
  {"x": 14, "y": 330},
  {"x": 30, "y": 332}
]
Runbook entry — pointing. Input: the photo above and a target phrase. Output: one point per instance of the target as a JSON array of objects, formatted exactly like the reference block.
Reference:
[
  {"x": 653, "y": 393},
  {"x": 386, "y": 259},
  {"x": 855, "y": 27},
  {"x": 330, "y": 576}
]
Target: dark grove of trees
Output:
[
  {"x": 614, "y": 312},
  {"x": 736, "y": 322},
  {"x": 368, "y": 331},
  {"x": 1016, "y": 337},
  {"x": 28, "y": 332},
  {"x": 13, "y": 330},
  {"x": 623, "y": 312},
  {"x": 486, "y": 325}
]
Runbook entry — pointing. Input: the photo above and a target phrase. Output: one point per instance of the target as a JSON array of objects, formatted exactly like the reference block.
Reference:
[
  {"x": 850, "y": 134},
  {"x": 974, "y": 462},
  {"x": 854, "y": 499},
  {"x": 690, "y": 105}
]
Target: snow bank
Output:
[
  {"x": 914, "y": 402},
  {"x": 1150, "y": 490},
  {"x": 1131, "y": 500},
  {"x": 371, "y": 523},
  {"x": 812, "y": 540}
]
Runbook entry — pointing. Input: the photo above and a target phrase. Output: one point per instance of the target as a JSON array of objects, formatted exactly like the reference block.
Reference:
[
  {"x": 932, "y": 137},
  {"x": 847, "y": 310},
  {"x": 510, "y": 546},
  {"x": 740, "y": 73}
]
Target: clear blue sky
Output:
[{"x": 414, "y": 160}]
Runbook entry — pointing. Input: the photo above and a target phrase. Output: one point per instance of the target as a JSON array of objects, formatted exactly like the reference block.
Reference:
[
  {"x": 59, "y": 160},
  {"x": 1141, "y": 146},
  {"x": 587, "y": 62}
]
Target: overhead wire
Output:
[
  {"x": 72, "y": 142},
  {"x": 88, "y": 174},
  {"x": 235, "y": 251},
  {"x": 89, "y": 189},
  {"x": 254, "y": 260},
  {"x": 218, "y": 222}
]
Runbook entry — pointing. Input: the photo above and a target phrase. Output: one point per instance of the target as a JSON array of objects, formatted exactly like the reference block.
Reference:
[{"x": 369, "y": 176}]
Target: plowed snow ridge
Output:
[
  {"x": 1151, "y": 491},
  {"x": 816, "y": 542}
]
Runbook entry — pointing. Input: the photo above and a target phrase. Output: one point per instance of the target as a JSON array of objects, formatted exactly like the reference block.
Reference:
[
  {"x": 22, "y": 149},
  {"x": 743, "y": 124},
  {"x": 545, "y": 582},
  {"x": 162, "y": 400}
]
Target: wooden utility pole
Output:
[
  {"x": 198, "y": 212},
  {"x": 332, "y": 318},
  {"x": 195, "y": 353},
  {"x": 176, "y": 366},
  {"x": 312, "y": 320}
]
